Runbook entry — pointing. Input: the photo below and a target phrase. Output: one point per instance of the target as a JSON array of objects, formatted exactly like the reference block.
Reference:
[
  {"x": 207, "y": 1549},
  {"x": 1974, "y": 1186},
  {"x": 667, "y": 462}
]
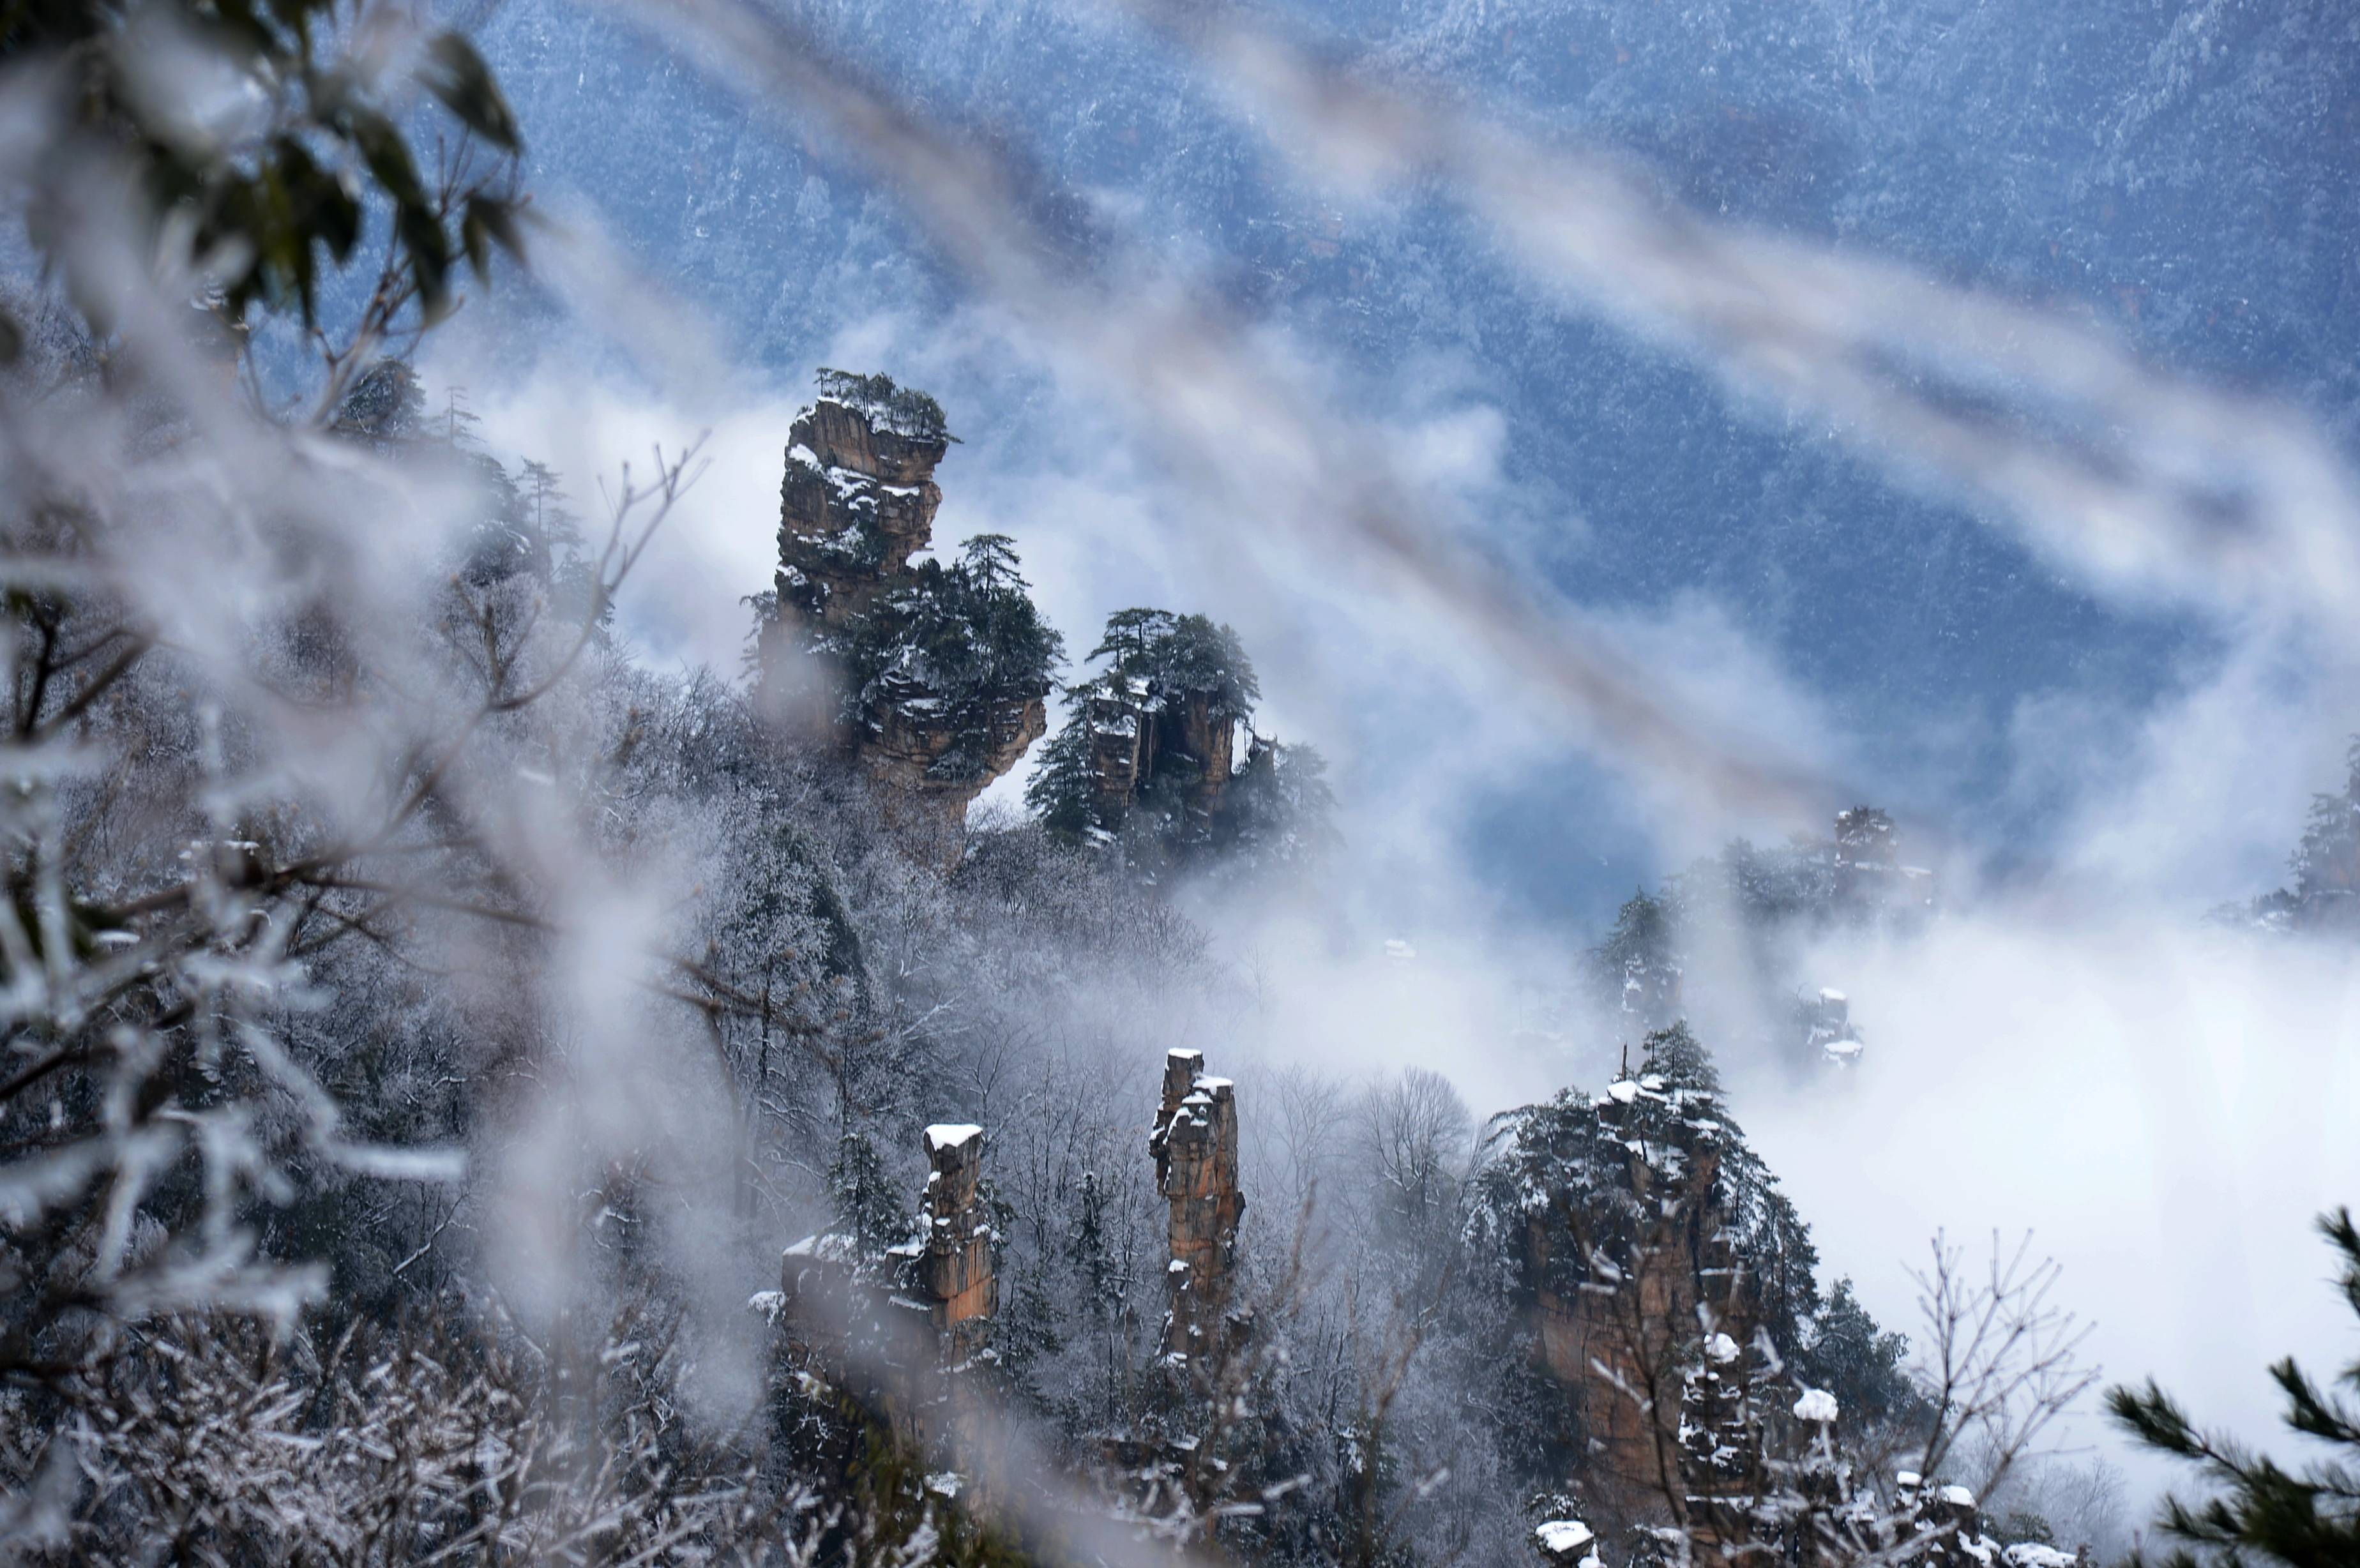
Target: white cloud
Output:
[{"x": 2164, "y": 1107}]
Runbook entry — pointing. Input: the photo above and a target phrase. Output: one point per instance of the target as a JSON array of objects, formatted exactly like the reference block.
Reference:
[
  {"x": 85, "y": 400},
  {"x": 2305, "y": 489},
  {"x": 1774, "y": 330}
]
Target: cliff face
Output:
[
  {"x": 905, "y": 744},
  {"x": 1143, "y": 730},
  {"x": 858, "y": 500},
  {"x": 934, "y": 677}
]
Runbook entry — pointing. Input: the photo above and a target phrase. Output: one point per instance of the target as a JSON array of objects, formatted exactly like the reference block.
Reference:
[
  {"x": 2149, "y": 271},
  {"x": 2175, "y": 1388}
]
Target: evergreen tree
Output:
[
  {"x": 1857, "y": 1363},
  {"x": 384, "y": 404},
  {"x": 963, "y": 644},
  {"x": 2327, "y": 864},
  {"x": 1090, "y": 1251},
  {"x": 1172, "y": 686},
  {"x": 1176, "y": 654},
  {"x": 1636, "y": 970},
  {"x": 2326, "y": 894},
  {"x": 2260, "y": 1512},
  {"x": 1062, "y": 792},
  {"x": 868, "y": 1208},
  {"x": 904, "y": 410},
  {"x": 556, "y": 529},
  {"x": 990, "y": 562},
  {"x": 1280, "y": 812}
]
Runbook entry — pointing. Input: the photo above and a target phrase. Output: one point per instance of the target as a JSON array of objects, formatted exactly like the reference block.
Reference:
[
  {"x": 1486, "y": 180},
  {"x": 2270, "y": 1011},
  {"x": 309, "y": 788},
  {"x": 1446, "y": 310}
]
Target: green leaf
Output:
[
  {"x": 430, "y": 260},
  {"x": 489, "y": 222},
  {"x": 457, "y": 75},
  {"x": 319, "y": 207},
  {"x": 387, "y": 157}
]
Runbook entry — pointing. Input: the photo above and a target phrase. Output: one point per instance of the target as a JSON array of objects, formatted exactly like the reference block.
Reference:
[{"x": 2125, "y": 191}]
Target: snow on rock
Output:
[
  {"x": 1561, "y": 1538},
  {"x": 1958, "y": 1497},
  {"x": 950, "y": 1135},
  {"x": 2036, "y": 1555},
  {"x": 827, "y": 1247},
  {"x": 1816, "y": 1405},
  {"x": 1720, "y": 1350}
]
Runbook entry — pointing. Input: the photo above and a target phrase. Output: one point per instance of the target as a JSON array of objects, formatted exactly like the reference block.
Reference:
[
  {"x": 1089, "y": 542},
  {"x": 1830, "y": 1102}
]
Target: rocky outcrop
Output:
[
  {"x": 858, "y": 500},
  {"x": 1626, "y": 1350},
  {"x": 1668, "y": 1283},
  {"x": 1143, "y": 727},
  {"x": 1869, "y": 877},
  {"x": 1829, "y": 1029},
  {"x": 934, "y": 678},
  {"x": 1151, "y": 754},
  {"x": 904, "y": 744},
  {"x": 955, "y": 1272},
  {"x": 1196, "y": 1148}
]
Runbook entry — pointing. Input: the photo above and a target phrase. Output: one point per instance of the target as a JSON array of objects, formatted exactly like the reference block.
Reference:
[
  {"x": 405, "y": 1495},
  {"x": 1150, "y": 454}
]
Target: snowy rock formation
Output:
[
  {"x": 1195, "y": 1150},
  {"x": 956, "y": 1270},
  {"x": 1667, "y": 1283},
  {"x": 860, "y": 495},
  {"x": 935, "y": 677}
]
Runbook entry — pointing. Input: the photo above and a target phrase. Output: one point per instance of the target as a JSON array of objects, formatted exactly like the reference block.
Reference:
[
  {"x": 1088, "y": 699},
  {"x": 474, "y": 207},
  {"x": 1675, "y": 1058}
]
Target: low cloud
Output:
[{"x": 2163, "y": 1104}]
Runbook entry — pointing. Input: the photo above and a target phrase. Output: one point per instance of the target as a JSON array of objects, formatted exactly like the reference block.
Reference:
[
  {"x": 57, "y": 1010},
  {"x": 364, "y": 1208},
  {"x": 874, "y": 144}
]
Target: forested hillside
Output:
[{"x": 908, "y": 1191}]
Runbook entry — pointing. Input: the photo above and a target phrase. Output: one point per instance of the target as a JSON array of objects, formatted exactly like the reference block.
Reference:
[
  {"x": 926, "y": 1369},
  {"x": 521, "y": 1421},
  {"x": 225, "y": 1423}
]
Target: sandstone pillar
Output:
[
  {"x": 1196, "y": 1149},
  {"x": 955, "y": 1272}
]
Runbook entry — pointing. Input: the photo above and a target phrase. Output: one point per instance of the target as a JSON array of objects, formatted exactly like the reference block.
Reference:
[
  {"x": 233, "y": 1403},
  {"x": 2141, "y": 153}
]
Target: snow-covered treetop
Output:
[
  {"x": 904, "y": 410},
  {"x": 1816, "y": 1405},
  {"x": 1580, "y": 1153},
  {"x": 1153, "y": 654}
]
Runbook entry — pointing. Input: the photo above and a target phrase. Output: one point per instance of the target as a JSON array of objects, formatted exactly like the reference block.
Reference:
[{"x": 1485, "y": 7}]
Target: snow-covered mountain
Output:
[{"x": 2176, "y": 172}]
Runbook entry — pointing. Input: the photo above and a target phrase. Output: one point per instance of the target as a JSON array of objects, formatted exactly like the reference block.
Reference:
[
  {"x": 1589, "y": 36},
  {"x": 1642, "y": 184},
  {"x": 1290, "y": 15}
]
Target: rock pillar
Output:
[
  {"x": 954, "y": 1271},
  {"x": 1196, "y": 1149}
]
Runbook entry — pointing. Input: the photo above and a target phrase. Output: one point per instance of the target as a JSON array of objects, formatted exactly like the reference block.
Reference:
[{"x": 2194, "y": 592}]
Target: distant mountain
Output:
[{"x": 2178, "y": 171}]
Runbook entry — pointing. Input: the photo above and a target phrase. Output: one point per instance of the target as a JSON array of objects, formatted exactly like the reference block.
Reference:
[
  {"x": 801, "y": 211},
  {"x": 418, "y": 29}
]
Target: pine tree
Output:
[
  {"x": 1092, "y": 1257},
  {"x": 1857, "y": 1363},
  {"x": 1636, "y": 970},
  {"x": 2327, "y": 864},
  {"x": 2260, "y": 1512},
  {"x": 1280, "y": 812},
  {"x": 990, "y": 561},
  {"x": 553, "y": 523},
  {"x": 383, "y": 406},
  {"x": 868, "y": 1208},
  {"x": 1178, "y": 654},
  {"x": 962, "y": 646}
]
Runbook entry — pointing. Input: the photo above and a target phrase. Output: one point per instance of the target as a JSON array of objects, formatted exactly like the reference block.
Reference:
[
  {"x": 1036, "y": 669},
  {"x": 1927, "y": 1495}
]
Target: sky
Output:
[{"x": 2096, "y": 720}]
